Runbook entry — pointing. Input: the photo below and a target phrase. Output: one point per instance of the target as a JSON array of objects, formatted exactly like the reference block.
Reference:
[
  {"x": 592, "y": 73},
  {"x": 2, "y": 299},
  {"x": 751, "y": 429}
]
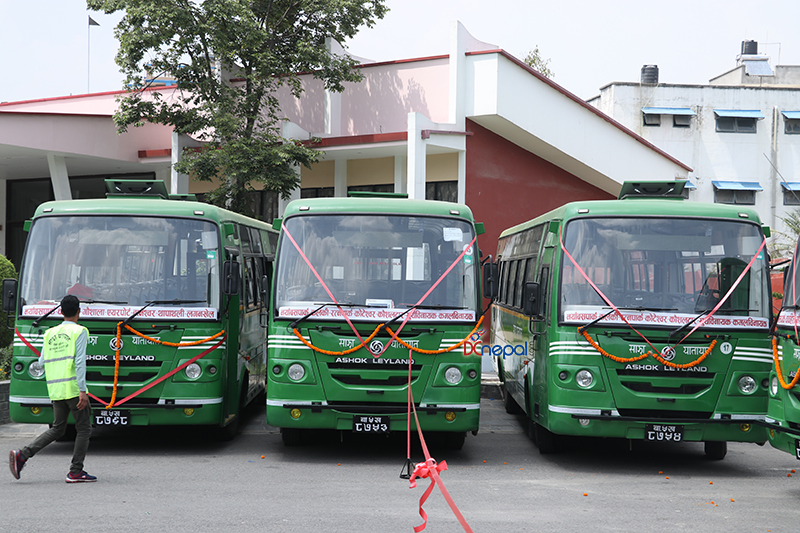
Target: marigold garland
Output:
[
  {"x": 649, "y": 353},
  {"x": 443, "y": 350},
  {"x": 401, "y": 341},
  {"x": 151, "y": 339},
  {"x": 778, "y": 370}
]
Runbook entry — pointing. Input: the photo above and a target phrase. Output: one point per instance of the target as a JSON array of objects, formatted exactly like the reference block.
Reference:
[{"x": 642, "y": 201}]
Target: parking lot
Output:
[{"x": 178, "y": 479}]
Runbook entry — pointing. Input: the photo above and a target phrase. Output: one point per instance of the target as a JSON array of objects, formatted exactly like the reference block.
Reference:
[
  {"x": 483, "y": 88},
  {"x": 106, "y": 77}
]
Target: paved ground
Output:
[{"x": 178, "y": 479}]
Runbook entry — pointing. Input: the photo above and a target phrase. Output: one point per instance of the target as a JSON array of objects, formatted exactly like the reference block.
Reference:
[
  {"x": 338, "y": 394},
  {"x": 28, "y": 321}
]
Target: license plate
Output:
[
  {"x": 112, "y": 417},
  {"x": 797, "y": 448},
  {"x": 663, "y": 432},
  {"x": 370, "y": 424}
]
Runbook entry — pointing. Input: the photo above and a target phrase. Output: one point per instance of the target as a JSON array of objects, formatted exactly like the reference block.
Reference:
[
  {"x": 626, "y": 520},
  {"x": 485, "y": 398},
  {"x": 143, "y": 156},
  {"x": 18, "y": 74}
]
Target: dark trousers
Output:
[{"x": 83, "y": 427}]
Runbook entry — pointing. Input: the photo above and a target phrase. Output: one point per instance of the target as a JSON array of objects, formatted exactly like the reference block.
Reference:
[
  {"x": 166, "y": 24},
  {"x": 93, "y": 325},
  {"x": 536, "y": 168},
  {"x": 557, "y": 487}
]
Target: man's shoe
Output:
[
  {"x": 15, "y": 462},
  {"x": 80, "y": 477}
]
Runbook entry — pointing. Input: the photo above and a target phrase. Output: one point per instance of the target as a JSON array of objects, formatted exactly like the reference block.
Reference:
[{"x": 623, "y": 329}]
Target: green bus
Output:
[
  {"x": 643, "y": 318},
  {"x": 171, "y": 293},
  {"x": 373, "y": 292},
  {"x": 783, "y": 415}
]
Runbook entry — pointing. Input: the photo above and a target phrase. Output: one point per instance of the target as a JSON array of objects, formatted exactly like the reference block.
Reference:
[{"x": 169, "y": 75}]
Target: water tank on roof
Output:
[
  {"x": 749, "y": 48},
  {"x": 650, "y": 74}
]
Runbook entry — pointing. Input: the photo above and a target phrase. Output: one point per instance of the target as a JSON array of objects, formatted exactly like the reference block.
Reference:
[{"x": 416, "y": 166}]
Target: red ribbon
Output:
[{"x": 428, "y": 469}]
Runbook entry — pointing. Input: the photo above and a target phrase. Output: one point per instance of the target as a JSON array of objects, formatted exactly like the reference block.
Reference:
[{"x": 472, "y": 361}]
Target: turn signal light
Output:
[
  {"x": 295, "y": 413},
  {"x": 188, "y": 411},
  {"x": 36, "y": 410},
  {"x": 744, "y": 427},
  {"x": 449, "y": 416}
]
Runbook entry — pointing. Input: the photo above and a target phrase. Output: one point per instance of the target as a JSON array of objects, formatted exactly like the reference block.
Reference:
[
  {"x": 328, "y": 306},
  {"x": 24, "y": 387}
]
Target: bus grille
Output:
[
  {"x": 684, "y": 388},
  {"x": 133, "y": 377},
  {"x": 370, "y": 408},
  {"x": 651, "y": 413},
  {"x": 391, "y": 375}
]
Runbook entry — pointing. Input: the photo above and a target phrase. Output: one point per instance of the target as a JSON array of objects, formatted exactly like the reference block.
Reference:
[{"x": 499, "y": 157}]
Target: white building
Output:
[{"x": 740, "y": 133}]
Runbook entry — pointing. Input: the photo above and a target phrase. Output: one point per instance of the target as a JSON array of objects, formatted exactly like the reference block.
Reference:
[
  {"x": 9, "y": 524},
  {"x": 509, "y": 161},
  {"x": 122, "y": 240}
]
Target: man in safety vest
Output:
[{"x": 64, "y": 359}]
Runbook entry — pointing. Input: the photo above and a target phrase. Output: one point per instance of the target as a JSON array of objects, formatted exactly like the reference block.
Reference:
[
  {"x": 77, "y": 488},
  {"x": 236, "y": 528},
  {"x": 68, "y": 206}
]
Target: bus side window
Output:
[
  {"x": 521, "y": 268},
  {"x": 544, "y": 284},
  {"x": 503, "y": 282},
  {"x": 511, "y": 290}
]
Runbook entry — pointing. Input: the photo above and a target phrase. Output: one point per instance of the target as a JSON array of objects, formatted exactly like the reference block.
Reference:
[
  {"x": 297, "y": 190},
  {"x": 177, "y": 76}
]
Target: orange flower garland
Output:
[
  {"x": 401, "y": 341},
  {"x": 778, "y": 370},
  {"x": 151, "y": 339},
  {"x": 656, "y": 356}
]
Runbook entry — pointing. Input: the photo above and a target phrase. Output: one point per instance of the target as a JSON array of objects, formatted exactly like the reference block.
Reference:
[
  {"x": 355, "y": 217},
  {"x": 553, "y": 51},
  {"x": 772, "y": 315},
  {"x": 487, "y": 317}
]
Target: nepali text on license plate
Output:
[
  {"x": 112, "y": 417},
  {"x": 370, "y": 424},
  {"x": 663, "y": 432}
]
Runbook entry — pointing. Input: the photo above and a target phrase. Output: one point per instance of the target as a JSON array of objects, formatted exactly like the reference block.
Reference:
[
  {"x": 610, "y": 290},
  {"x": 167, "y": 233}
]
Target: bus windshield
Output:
[
  {"x": 121, "y": 260},
  {"x": 665, "y": 271},
  {"x": 379, "y": 261}
]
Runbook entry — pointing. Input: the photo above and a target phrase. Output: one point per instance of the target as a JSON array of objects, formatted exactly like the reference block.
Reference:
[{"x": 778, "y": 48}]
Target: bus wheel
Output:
[
  {"x": 511, "y": 405},
  {"x": 454, "y": 440},
  {"x": 716, "y": 450},
  {"x": 292, "y": 436},
  {"x": 545, "y": 440}
]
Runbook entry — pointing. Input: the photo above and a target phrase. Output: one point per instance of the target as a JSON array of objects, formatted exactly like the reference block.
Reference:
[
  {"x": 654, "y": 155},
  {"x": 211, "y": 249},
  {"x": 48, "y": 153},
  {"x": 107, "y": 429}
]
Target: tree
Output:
[
  {"x": 229, "y": 57},
  {"x": 534, "y": 59}
]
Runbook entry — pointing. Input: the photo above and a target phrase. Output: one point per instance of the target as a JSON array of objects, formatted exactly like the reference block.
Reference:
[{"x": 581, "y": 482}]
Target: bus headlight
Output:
[
  {"x": 584, "y": 379},
  {"x": 452, "y": 375},
  {"x": 773, "y": 386},
  {"x": 296, "y": 372},
  {"x": 747, "y": 385},
  {"x": 36, "y": 370},
  {"x": 193, "y": 371}
]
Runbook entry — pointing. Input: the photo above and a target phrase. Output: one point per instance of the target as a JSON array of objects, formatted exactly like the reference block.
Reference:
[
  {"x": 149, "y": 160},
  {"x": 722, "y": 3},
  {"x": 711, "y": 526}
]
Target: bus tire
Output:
[
  {"x": 292, "y": 436},
  {"x": 545, "y": 440},
  {"x": 511, "y": 405},
  {"x": 454, "y": 440},
  {"x": 715, "y": 450}
]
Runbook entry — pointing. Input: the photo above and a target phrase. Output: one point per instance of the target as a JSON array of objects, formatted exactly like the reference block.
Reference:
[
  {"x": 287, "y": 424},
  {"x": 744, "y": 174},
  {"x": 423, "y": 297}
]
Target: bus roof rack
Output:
[
  {"x": 370, "y": 194},
  {"x": 155, "y": 188},
  {"x": 652, "y": 189}
]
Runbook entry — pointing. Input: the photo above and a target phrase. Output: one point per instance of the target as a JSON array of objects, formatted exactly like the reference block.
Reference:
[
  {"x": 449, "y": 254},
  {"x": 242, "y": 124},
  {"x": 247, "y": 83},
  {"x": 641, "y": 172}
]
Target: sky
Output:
[{"x": 47, "y": 48}]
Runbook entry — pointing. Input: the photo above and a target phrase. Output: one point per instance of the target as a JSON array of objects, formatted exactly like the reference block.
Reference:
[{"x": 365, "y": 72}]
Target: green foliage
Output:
[
  {"x": 783, "y": 243},
  {"x": 535, "y": 60},
  {"x": 7, "y": 271},
  {"x": 5, "y": 362},
  {"x": 260, "y": 44}
]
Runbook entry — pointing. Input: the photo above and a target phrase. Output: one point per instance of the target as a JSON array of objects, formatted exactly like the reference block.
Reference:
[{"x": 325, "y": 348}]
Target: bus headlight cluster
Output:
[
  {"x": 296, "y": 372},
  {"x": 747, "y": 385},
  {"x": 193, "y": 371},
  {"x": 773, "y": 386},
  {"x": 584, "y": 379},
  {"x": 452, "y": 375},
  {"x": 36, "y": 370}
]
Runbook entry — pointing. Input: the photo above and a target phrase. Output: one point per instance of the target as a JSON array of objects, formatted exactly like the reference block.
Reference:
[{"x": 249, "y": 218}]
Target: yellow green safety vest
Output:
[{"x": 59, "y": 360}]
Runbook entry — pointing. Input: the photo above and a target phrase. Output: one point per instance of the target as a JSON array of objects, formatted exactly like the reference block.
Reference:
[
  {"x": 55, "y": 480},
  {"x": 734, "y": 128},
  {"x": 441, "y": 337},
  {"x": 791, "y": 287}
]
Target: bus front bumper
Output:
[{"x": 323, "y": 415}]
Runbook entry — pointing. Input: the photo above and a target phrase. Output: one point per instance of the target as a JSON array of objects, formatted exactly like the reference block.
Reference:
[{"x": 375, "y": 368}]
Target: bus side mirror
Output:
[
  {"x": 231, "y": 278},
  {"x": 490, "y": 279},
  {"x": 10, "y": 296},
  {"x": 530, "y": 299},
  {"x": 265, "y": 285}
]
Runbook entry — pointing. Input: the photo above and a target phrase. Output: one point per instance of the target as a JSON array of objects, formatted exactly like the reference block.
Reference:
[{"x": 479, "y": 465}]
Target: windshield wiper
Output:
[
  {"x": 326, "y": 304},
  {"x": 692, "y": 321},
  {"x": 175, "y": 301},
  {"x": 411, "y": 307},
  {"x": 47, "y": 314},
  {"x": 595, "y": 321},
  {"x": 435, "y": 306}
]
